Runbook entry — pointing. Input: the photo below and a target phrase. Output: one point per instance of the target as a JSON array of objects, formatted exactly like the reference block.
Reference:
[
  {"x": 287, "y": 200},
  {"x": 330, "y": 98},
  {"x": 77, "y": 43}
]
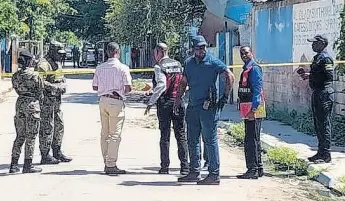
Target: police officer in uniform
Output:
[
  {"x": 52, "y": 126},
  {"x": 168, "y": 73},
  {"x": 250, "y": 91},
  {"x": 320, "y": 80},
  {"x": 29, "y": 86}
]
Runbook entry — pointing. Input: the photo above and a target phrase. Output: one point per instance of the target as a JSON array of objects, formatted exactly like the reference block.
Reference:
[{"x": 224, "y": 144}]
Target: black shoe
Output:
[
  {"x": 29, "y": 168},
  {"x": 191, "y": 177},
  {"x": 210, "y": 180},
  {"x": 321, "y": 158},
  {"x": 250, "y": 174},
  {"x": 261, "y": 172},
  {"x": 57, "y": 153},
  {"x": 163, "y": 171},
  {"x": 47, "y": 159},
  {"x": 14, "y": 166}
]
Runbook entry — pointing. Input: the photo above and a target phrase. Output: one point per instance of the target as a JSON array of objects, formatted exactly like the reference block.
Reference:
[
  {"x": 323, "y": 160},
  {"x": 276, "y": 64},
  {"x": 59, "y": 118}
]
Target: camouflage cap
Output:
[{"x": 59, "y": 47}]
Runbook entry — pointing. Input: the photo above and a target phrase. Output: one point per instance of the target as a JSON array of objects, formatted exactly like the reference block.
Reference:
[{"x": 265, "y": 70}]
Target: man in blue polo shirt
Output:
[{"x": 200, "y": 74}]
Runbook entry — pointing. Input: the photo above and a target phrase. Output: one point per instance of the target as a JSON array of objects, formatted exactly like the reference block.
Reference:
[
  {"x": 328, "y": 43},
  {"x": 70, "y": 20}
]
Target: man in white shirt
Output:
[{"x": 112, "y": 80}]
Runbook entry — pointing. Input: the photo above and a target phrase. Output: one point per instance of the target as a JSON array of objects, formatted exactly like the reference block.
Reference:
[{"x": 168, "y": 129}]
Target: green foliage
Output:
[
  {"x": 282, "y": 156},
  {"x": 236, "y": 131},
  {"x": 133, "y": 21},
  {"x": 39, "y": 16},
  {"x": 340, "y": 43},
  {"x": 8, "y": 19},
  {"x": 67, "y": 37},
  {"x": 303, "y": 122},
  {"x": 87, "y": 20}
]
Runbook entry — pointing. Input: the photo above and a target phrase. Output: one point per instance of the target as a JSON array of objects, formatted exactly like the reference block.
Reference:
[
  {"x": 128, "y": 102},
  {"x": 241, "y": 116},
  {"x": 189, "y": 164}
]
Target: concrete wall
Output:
[{"x": 278, "y": 34}]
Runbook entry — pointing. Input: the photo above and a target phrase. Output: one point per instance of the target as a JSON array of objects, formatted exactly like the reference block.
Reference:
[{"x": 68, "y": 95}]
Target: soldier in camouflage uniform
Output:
[
  {"x": 29, "y": 87},
  {"x": 52, "y": 127}
]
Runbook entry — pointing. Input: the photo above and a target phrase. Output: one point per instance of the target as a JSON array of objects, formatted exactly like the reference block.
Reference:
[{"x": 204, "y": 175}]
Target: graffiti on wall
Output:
[{"x": 316, "y": 17}]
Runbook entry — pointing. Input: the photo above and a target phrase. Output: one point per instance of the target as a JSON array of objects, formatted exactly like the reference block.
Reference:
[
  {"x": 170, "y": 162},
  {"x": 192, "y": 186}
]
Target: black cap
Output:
[
  {"x": 318, "y": 38},
  {"x": 198, "y": 41},
  {"x": 26, "y": 54}
]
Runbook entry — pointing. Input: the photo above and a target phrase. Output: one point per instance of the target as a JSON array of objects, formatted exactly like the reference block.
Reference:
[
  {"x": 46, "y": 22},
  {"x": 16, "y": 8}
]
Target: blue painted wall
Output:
[
  {"x": 273, "y": 37},
  {"x": 238, "y": 10}
]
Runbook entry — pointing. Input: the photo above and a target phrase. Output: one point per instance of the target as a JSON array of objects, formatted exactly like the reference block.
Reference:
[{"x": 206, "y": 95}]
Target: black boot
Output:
[
  {"x": 60, "y": 156},
  {"x": 29, "y": 168},
  {"x": 321, "y": 157},
  {"x": 163, "y": 171},
  {"x": 191, "y": 177},
  {"x": 250, "y": 174},
  {"x": 47, "y": 159},
  {"x": 211, "y": 179},
  {"x": 14, "y": 165}
]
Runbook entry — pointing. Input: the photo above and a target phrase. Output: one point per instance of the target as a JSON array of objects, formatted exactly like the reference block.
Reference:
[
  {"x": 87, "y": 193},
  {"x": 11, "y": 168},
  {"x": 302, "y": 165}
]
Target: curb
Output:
[{"x": 323, "y": 178}]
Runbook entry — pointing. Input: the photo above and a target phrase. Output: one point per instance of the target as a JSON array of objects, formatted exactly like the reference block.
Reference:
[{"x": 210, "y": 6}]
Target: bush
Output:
[
  {"x": 282, "y": 157},
  {"x": 236, "y": 131},
  {"x": 303, "y": 122}
]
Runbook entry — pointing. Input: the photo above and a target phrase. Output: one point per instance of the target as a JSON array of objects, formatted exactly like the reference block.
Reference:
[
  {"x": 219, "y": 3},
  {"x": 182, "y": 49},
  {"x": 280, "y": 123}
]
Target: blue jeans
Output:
[{"x": 204, "y": 122}]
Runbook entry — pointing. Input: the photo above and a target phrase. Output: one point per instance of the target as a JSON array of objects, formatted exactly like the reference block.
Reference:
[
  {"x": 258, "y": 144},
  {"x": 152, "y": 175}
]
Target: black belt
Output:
[{"x": 113, "y": 96}]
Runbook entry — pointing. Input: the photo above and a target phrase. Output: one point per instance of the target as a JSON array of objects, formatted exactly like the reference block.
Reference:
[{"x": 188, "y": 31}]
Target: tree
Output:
[
  {"x": 87, "y": 21},
  {"x": 134, "y": 21},
  {"x": 67, "y": 37},
  {"x": 39, "y": 16},
  {"x": 8, "y": 19},
  {"x": 341, "y": 43}
]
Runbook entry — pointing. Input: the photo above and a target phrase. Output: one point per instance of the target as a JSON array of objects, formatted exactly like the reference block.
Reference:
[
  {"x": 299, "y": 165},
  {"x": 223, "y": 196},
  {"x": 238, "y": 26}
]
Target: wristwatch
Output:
[{"x": 253, "y": 110}]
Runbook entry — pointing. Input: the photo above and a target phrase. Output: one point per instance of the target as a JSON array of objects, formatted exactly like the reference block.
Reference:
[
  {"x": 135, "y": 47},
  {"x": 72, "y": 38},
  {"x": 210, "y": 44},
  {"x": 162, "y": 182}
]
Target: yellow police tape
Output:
[{"x": 91, "y": 71}]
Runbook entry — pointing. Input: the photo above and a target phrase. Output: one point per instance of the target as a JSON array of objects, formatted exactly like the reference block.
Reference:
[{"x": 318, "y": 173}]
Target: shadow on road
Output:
[
  {"x": 75, "y": 172},
  {"x": 82, "y": 98},
  {"x": 150, "y": 183},
  {"x": 156, "y": 169},
  {"x": 4, "y": 166},
  {"x": 80, "y": 77}
]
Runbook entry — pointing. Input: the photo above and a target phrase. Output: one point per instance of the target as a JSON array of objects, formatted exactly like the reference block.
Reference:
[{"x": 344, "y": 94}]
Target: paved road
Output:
[{"x": 82, "y": 179}]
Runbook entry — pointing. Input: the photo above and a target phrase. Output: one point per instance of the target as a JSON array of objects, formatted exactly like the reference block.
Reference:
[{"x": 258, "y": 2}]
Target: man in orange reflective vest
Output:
[{"x": 250, "y": 91}]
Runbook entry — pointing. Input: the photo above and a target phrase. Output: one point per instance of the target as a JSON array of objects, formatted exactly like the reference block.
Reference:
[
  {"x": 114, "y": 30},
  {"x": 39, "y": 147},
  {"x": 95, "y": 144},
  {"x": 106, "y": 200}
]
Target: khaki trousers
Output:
[{"x": 112, "y": 113}]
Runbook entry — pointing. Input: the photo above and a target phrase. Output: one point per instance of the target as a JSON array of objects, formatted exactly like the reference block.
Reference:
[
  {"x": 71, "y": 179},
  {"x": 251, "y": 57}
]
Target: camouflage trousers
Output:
[
  {"x": 27, "y": 127},
  {"x": 52, "y": 127}
]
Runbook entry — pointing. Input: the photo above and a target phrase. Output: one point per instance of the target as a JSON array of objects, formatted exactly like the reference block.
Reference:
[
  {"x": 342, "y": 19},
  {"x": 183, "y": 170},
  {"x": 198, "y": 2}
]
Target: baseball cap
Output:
[
  {"x": 198, "y": 41},
  {"x": 318, "y": 38}
]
